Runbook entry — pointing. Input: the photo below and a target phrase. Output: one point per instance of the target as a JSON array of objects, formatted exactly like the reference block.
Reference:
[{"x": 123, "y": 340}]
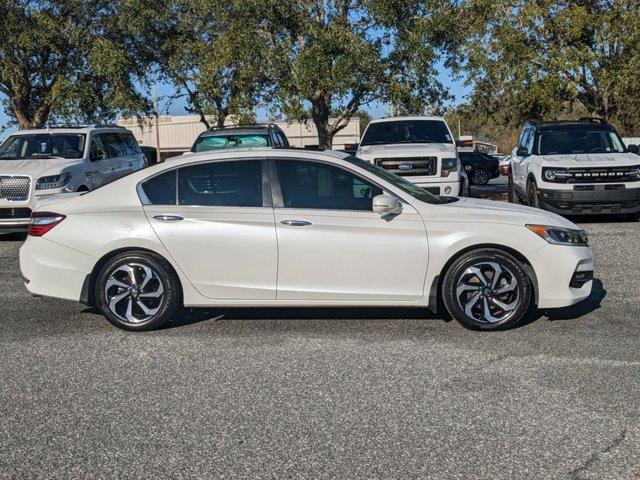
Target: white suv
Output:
[
  {"x": 419, "y": 148},
  {"x": 56, "y": 160},
  {"x": 575, "y": 167}
]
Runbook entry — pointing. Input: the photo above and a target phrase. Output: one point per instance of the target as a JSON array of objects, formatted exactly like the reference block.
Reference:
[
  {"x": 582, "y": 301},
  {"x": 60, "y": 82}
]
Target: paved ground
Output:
[{"x": 310, "y": 394}]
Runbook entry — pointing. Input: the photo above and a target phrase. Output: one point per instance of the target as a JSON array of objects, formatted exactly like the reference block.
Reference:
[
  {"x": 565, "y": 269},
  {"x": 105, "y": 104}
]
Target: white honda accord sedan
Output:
[{"x": 297, "y": 228}]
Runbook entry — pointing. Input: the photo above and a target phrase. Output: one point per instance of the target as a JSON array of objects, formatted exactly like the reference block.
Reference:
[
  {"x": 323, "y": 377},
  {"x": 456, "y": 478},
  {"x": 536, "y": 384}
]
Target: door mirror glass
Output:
[
  {"x": 522, "y": 152},
  {"x": 633, "y": 148},
  {"x": 386, "y": 205}
]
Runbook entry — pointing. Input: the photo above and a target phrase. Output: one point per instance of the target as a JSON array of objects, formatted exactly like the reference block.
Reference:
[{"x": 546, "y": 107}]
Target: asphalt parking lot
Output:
[{"x": 313, "y": 393}]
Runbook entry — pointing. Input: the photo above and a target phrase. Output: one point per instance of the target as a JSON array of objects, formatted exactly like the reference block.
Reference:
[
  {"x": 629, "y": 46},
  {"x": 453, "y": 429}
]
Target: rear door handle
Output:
[
  {"x": 168, "y": 218},
  {"x": 296, "y": 223}
]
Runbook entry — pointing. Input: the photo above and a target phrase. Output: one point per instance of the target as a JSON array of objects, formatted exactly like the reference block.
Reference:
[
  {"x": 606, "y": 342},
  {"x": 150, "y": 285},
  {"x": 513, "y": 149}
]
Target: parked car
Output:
[
  {"x": 419, "y": 148},
  {"x": 575, "y": 167},
  {"x": 298, "y": 228},
  {"x": 241, "y": 136},
  {"x": 480, "y": 167},
  {"x": 41, "y": 162}
]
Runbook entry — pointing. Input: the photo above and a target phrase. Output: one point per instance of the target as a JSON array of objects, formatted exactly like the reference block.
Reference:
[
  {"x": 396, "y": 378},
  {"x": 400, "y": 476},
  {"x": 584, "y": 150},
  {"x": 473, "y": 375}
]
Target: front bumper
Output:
[
  {"x": 564, "y": 275},
  {"x": 591, "y": 199},
  {"x": 446, "y": 188}
]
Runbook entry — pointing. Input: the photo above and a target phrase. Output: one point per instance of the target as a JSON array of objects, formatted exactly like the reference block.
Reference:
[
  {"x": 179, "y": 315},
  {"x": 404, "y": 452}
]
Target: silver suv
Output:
[{"x": 41, "y": 162}]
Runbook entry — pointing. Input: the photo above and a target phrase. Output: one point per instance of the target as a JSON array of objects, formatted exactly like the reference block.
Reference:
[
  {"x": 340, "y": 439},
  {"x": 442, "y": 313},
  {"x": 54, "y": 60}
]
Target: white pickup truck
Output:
[{"x": 422, "y": 149}]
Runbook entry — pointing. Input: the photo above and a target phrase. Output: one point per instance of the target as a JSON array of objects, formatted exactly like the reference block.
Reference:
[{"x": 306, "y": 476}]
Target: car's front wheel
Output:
[
  {"x": 487, "y": 289},
  {"x": 137, "y": 291}
]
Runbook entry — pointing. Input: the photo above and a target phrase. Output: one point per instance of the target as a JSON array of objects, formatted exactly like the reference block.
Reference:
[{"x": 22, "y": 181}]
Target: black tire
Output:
[
  {"x": 512, "y": 194},
  {"x": 458, "y": 289},
  {"x": 480, "y": 176},
  {"x": 163, "y": 279},
  {"x": 532, "y": 194}
]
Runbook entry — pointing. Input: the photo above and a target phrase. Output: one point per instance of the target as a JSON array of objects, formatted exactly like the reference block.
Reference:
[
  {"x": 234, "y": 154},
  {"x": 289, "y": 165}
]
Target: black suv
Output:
[{"x": 241, "y": 136}]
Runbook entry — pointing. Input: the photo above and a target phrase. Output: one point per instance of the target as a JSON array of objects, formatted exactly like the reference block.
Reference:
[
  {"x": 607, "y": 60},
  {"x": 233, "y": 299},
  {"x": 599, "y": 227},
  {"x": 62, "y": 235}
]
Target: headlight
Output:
[
  {"x": 561, "y": 236},
  {"x": 557, "y": 175},
  {"x": 449, "y": 165},
  {"x": 53, "y": 181}
]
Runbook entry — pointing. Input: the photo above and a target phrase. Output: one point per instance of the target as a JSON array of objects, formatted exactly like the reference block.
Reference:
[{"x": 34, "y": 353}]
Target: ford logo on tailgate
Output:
[{"x": 405, "y": 166}]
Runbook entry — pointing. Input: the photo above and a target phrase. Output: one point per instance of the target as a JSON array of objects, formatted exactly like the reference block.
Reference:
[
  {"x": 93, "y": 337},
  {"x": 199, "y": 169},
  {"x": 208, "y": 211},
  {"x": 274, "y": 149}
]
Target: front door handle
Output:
[
  {"x": 296, "y": 223},
  {"x": 168, "y": 218}
]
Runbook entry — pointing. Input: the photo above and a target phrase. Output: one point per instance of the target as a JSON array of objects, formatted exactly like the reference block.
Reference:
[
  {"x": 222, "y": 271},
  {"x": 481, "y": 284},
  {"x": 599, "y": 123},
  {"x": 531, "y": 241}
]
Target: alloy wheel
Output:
[
  {"x": 488, "y": 292},
  {"x": 481, "y": 177},
  {"x": 134, "y": 293}
]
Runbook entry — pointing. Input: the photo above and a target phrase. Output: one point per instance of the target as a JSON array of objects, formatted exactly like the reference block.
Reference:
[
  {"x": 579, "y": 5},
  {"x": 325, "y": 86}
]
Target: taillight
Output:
[{"x": 42, "y": 222}]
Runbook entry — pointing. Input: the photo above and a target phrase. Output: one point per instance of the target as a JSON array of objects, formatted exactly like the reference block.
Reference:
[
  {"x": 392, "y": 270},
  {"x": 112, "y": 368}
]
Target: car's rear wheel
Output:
[
  {"x": 487, "y": 289},
  {"x": 480, "y": 176},
  {"x": 137, "y": 291}
]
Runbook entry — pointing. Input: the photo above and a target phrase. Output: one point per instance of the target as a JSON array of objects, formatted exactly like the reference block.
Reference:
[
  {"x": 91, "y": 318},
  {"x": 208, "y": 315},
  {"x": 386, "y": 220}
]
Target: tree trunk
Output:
[
  {"x": 27, "y": 119},
  {"x": 320, "y": 112}
]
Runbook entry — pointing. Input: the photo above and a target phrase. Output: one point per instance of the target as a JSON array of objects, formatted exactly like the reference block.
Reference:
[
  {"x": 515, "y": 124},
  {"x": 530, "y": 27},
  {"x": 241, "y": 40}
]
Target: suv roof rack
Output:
[
  {"x": 79, "y": 125},
  {"x": 245, "y": 125},
  {"x": 598, "y": 120}
]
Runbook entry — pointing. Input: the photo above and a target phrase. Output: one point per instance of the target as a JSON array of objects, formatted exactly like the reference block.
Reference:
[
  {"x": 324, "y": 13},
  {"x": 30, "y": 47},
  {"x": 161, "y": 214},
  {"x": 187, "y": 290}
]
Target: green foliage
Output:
[
  {"x": 341, "y": 55},
  {"x": 551, "y": 59},
  {"x": 69, "y": 60},
  {"x": 214, "y": 57}
]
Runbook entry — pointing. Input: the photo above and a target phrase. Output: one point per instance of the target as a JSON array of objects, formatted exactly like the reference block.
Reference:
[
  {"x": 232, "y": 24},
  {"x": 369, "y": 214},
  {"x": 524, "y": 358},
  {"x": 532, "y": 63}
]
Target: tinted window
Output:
[
  {"x": 161, "y": 190},
  {"x": 43, "y": 146},
  {"x": 99, "y": 150},
  {"x": 282, "y": 139},
  {"x": 115, "y": 144},
  {"x": 220, "y": 142},
  {"x": 567, "y": 142},
  {"x": 321, "y": 186},
  {"x": 407, "y": 131},
  {"x": 237, "y": 184},
  {"x": 129, "y": 144}
]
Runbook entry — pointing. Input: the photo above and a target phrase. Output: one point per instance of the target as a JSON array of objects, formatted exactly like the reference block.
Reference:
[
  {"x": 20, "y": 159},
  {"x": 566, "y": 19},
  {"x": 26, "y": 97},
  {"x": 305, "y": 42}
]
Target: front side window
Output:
[
  {"x": 233, "y": 184},
  {"x": 407, "y": 131},
  {"x": 578, "y": 141},
  {"x": 43, "y": 145},
  {"x": 324, "y": 187},
  {"x": 222, "y": 142}
]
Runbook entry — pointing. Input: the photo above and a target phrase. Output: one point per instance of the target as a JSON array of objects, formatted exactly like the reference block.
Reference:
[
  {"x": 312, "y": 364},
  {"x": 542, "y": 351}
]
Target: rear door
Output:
[
  {"x": 216, "y": 221},
  {"x": 101, "y": 171}
]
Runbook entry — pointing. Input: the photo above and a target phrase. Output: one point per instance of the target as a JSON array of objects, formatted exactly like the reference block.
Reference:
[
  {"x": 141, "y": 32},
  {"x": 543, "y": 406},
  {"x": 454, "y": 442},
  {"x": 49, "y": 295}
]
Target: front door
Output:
[
  {"x": 333, "y": 247},
  {"x": 214, "y": 222}
]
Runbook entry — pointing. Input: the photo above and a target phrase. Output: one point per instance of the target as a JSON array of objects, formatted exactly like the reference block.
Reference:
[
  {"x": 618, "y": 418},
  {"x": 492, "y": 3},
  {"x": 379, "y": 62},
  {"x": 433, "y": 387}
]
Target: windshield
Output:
[
  {"x": 568, "y": 142},
  {"x": 407, "y": 131},
  {"x": 43, "y": 145},
  {"x": 220, "y": 142},
  {"x": 397, "y": 181}
]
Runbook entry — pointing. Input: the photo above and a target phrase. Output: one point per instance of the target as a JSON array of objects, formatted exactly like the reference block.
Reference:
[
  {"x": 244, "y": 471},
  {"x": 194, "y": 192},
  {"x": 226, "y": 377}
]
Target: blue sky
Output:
[{"x": 176, "y": 107}]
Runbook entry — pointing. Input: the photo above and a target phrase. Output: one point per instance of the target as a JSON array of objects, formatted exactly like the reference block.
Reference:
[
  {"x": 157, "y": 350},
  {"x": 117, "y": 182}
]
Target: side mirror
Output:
[
  {"x": 634, "y": 149},
  {"x": 386, "y": 205},
  {"x": 522, "y": 152}
]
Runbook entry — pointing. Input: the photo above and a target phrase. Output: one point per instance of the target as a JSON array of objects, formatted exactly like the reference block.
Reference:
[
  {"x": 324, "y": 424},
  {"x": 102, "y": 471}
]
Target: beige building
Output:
[{"x": 178, "y": 132}]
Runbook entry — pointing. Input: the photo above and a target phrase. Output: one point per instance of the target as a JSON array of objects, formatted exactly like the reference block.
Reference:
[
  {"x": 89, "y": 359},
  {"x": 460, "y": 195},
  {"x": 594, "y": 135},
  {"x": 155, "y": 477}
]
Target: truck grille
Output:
[
  {"x": 14, "y": 188},
  {"x": 409, "y": 166},
  {"x": 602, "y": 175}
]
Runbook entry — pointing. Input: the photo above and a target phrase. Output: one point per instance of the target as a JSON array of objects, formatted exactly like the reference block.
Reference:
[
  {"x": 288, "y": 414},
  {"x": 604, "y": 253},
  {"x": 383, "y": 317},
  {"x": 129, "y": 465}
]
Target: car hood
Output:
[
  {"x": 489, "y": 211},
  {"x": 36, "y": 167},
  {"x": 583, "y": 160},
  {"x": 405, "y": 149}
]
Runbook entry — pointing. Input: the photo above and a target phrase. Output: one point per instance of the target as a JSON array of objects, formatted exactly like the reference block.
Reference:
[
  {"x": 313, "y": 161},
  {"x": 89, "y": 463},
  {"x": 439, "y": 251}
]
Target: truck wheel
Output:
[{"x": 480, "y": 177}]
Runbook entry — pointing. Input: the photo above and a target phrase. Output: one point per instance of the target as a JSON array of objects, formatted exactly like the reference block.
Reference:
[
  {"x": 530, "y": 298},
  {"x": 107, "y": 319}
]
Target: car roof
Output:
[
  {"x": 67, "y": 129},
  {"x": 265, "y": 152},
  {"x": 590, "y": 123},
  {"x": 235, "y": 130},
  {"x": 411, "y": 118}
]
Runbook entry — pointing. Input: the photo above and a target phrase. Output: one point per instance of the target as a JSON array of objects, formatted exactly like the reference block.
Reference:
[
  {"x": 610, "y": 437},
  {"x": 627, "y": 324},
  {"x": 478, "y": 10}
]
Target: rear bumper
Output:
[
  {"x": 53, "y": 270},
  {"x": 591, "y": 199}
]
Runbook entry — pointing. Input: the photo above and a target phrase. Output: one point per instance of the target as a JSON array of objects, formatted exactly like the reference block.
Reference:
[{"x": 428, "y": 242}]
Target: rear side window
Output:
[
  {"x": 161, "y": 189},
  {"x": 234, "y": 184}
]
